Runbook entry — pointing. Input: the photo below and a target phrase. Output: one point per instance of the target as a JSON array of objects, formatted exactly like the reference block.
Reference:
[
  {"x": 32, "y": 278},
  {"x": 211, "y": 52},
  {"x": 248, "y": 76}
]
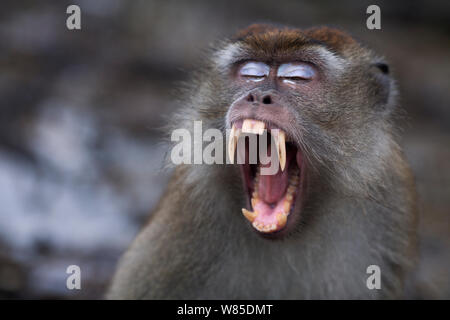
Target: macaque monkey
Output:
[{"x": 343, "y": 198}]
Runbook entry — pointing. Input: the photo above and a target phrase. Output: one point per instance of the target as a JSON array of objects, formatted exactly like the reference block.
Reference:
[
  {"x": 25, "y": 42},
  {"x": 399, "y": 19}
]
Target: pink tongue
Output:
[{"x": 271, "y": 188}]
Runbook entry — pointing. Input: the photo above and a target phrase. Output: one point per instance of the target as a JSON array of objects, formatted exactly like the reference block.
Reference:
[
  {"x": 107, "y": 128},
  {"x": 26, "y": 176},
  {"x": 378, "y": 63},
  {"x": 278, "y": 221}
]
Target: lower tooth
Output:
[
  {"x": 257, "y": 226},
  {"x": 260, "y": 227},
  {"x": 287, "y": 207},
  {"x": 250, "y": 215},
  {"x": 281, "y": 218}
]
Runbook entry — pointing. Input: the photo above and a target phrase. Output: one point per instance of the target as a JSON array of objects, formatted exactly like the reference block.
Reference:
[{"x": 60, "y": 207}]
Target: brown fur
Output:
[{"x": 271, "y": 39}]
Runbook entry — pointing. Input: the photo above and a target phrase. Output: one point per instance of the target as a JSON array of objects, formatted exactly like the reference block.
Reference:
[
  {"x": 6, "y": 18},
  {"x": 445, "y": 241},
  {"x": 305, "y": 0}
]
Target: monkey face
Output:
[
  {"x": 317, "y": 101},
  {"x": 274, "y": 195}
]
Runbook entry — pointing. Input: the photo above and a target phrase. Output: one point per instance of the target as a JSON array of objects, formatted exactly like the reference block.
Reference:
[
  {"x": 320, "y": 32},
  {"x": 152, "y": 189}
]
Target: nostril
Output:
[
  {"x": 250, "y": 98},
  {"x": 267, "y": 100}
]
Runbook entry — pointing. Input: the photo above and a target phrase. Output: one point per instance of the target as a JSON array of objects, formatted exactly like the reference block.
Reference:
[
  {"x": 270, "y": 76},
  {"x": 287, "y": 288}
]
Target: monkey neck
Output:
[{"x": 341, "y": 234}]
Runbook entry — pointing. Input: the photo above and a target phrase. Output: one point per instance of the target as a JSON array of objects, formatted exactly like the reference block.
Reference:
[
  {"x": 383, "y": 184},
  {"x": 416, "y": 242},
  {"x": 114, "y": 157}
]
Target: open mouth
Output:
[{"x": 272, "y": 198}]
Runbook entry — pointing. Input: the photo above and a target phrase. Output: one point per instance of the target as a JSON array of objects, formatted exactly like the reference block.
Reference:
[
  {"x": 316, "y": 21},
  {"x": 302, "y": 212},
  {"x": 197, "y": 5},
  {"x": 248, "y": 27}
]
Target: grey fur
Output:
[{"x": 361, "y": 209}]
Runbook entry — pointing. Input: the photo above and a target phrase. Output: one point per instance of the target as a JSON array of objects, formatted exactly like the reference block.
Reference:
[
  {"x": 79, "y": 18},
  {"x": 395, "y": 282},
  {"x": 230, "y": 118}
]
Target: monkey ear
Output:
[
  {"x": 383, "y": 67},
  {"x": 382, "y": 84}
]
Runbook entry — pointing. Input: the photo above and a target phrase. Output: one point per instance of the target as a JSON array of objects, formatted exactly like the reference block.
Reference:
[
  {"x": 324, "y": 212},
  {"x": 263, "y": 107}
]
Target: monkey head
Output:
[{"x": 326, "y": 104}]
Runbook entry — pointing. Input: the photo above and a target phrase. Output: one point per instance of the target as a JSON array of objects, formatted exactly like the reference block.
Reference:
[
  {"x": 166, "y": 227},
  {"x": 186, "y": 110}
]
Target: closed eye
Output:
[
  {"x": 296, "y": 71},
  {"x": 256, "y": 70}
]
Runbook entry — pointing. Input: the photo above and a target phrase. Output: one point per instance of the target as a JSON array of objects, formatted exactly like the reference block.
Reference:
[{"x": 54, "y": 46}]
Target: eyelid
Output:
[
  {"x": 296, "y": 70},
  {"x": 254, "y": 69}
]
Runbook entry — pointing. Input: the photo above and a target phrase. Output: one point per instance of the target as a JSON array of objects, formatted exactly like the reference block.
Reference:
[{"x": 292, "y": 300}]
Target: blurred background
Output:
[{"x": 80, "y": 152}]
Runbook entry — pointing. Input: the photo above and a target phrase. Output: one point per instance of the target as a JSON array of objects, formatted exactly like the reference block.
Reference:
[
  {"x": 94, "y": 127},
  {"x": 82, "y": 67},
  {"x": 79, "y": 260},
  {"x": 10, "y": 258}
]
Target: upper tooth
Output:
[
  {"x": 253, "y": 126},
  {"x": 280, "y": 143},
  {"x": 232, "y": 142},
  {"x": 257, "y": 127}
]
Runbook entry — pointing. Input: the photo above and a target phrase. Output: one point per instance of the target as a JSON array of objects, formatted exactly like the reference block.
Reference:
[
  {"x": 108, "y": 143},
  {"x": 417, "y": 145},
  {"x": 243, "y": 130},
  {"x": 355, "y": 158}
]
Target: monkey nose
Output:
[{"x": 260, "y": 97}]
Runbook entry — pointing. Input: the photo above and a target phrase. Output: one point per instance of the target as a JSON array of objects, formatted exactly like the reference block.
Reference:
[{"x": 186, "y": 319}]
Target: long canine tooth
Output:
[
  {"x": 282, "y": 149},
  {"x": 250, "y": 215},
  {"x": 280, "y": 143},
  {"x": 253, "y": 126},
  {"x": 232, "y": 142}
]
